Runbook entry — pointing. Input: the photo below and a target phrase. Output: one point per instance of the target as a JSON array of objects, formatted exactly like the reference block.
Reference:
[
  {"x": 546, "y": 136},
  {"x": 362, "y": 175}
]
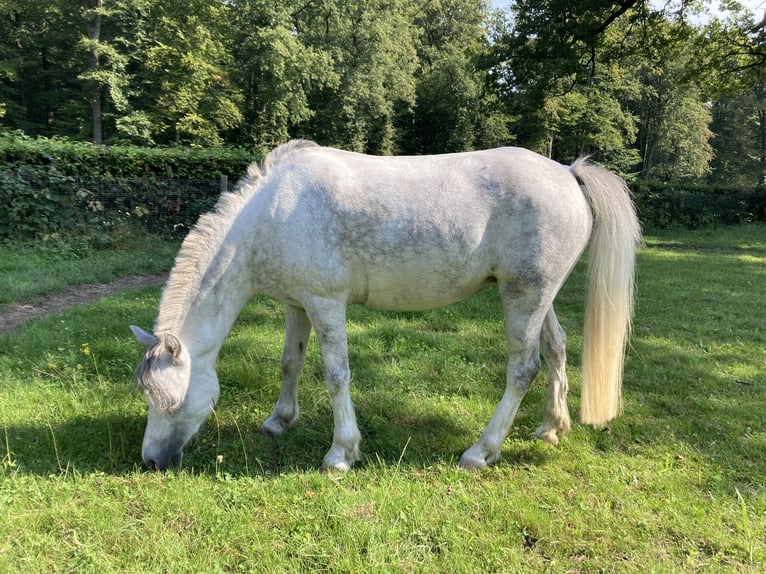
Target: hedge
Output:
[
  {"x": 82, "y": 159},
  {"x": 669, "y": 205},
  {"x": 51, "y": 188}
]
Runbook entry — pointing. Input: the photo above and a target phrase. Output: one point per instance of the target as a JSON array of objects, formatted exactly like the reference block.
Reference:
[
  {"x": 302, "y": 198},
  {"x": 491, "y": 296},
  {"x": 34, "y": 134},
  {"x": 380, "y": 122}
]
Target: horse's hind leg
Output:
[
  {"x": 556, "y": 420},
  {"x": 297, "y": 331},
  {"x": 524, "y": 313}
]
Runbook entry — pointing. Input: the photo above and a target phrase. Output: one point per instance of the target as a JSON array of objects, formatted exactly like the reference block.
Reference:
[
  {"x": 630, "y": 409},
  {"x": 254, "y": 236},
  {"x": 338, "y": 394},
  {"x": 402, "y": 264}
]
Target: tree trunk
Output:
[
  {"x": 94, "y": 35},
  {"x": 760, "y": 98}
]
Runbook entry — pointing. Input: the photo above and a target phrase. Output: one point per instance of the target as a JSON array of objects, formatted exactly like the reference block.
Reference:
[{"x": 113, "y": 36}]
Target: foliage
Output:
[
  {"x": 736, "y": 45},
  {"x": 83, "y": 159},
  {"x": 278, "y": 72},
  {"x": 372, "y": 48},
  {"x": 193, "y": 99},
  {"x": 673, "y": 205},
  {"x": 53, "y": 188},
  {"x": 456, "y": 108},
  {"x": 674, "y": 138},
  {"x": 676, "y": 484},
  {"x": 591, "y": 120},
  {"x": 739, "y": 122},
  {"x": 43, "y": 203},
  {"x": 642, "y": 86},
  {"x": 555, "y": 42}
]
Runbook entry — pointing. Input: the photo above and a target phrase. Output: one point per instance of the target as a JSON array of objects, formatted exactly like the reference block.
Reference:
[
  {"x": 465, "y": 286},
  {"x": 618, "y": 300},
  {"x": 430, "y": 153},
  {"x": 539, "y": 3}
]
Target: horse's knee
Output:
[
  {"x": 291, "y": 365},
  {"x": 337, "y": 378},
  {"x": 524, "y": 373}
]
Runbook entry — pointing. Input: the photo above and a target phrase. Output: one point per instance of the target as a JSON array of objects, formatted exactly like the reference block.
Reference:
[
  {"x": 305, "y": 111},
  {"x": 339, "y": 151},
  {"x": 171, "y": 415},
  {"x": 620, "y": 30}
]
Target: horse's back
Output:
[
  {"x": 410, "y": 232},
  {"x": 370, "y": 182},
  {"x": 437, "y": 197}
]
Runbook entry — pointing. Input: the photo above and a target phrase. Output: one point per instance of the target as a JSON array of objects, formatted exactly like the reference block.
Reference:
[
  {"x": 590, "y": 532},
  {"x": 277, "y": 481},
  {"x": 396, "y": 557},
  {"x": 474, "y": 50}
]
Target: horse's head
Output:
[{"x": 179, "y": 399}]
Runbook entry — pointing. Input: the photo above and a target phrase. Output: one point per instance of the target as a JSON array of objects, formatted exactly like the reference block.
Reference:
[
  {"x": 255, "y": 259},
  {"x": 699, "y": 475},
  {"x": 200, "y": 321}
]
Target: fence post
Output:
[{"x": 224, "y": 183}]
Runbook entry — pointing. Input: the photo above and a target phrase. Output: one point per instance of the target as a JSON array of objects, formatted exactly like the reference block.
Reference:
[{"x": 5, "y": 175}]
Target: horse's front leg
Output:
[
  {"x": 297, "y": 332},
  {"x": 329, "y": 320}
]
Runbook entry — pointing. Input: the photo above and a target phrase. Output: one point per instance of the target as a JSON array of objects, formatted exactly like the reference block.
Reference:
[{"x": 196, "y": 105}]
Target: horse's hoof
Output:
[
  {"x": 271, "y": 429},
  {"x": 275, "y": 426},
  {"x": 472, "y": 464},
  {"x": 341, "y": 467},
  {"x": 547, "y": 435}
]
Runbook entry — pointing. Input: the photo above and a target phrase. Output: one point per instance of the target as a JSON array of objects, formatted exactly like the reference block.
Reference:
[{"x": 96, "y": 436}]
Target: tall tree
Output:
[
  {"x": 93, "y": 13},
  {"x": 455, "y": 108},
  {"x": 736, "y": 122},
  {"x": 106, "y": 23},
  {"x": 592, "y": 120},
  {"x": 738, "y": 50},
  {"x": 187, "y": 90},
  {"x": 554, "y": 45},
  {"x": 373, "y": 49},
  {"x": 38, "y": 43},
  {"x": 277, "y": 71},
  {"x": 673, "y": 109},
  {"x": 607, "y": 78}
]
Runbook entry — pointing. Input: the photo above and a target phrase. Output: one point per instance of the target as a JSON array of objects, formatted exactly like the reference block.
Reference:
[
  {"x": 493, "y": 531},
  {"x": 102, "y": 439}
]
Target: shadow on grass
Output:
[
  {"x": 111, "y": 444},
  {"x": 672, "y": 398},
  {"x": 415, "y": 417},
  {"x": 81, "y": 445}
]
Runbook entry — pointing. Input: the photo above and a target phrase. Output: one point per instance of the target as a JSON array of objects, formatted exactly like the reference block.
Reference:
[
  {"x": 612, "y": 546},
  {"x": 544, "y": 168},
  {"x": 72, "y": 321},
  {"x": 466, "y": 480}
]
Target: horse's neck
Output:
[{"x": 212, "y": 302}]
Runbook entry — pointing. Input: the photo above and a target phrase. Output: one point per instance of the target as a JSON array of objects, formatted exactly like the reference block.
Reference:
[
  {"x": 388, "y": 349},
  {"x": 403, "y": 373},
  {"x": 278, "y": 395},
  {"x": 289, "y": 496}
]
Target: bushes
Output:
[
  {"x": 667, "y": 205},
  {"x": 33, "y": 203},
  {"x": 50, "y": 188},
  {"x": 88, "y": 160},
  {"x": 39, "y": 202}
]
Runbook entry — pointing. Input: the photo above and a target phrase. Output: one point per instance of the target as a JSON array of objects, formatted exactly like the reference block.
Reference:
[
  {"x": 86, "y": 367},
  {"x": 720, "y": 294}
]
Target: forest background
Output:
[{"x": 659, "y": 90}]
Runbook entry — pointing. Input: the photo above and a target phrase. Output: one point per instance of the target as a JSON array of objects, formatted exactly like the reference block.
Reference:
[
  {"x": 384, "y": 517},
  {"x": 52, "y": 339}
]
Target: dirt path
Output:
[{"x": 14, "y": 314}]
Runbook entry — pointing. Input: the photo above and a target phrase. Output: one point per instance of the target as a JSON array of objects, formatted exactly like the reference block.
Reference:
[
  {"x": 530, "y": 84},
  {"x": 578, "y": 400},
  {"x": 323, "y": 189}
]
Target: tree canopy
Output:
[{"x": 659, "y": 90}]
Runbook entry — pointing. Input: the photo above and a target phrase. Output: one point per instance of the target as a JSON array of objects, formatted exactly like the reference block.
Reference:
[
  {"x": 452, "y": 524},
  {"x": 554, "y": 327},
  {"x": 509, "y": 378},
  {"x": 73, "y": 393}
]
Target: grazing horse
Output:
[{"x": 318, "y": 228}]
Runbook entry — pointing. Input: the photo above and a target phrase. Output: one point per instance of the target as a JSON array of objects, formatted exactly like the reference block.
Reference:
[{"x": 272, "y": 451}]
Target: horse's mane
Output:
[{"x": 204, "y": 239}]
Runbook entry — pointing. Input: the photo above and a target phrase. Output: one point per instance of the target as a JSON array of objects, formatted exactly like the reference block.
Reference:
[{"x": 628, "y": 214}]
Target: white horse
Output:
[{"x": 318, "y": 228}]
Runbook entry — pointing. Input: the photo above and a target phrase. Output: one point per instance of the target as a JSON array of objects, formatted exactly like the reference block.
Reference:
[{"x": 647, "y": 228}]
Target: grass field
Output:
[
  {"x": 28, "y": 271},
  {"x": 677, "y": 484}
]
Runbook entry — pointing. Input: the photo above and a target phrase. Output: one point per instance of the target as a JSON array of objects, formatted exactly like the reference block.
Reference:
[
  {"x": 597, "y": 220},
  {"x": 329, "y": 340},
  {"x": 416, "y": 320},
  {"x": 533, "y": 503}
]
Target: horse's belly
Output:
[{"x": 415, "y": 292}]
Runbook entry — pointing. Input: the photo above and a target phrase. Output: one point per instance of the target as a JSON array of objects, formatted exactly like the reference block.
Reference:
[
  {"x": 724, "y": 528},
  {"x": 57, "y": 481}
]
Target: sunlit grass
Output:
[
  {"x": 676, "y": 484},
  {"x": 29, "y": 271}
]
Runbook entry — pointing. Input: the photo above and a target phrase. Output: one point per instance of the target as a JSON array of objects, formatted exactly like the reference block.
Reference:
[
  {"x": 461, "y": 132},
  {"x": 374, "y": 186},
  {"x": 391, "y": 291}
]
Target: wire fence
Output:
[{"x": 163, "y": 206}]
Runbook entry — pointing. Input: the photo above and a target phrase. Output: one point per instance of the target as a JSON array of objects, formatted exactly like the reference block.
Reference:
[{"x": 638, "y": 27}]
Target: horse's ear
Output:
[
  {"x": 146, "y": 339},
  {"x": 173, "y": 345}
]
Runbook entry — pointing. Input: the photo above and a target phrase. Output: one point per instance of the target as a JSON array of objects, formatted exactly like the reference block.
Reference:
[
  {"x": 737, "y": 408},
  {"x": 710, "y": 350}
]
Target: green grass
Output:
[
  {"x": 28, "y": 271},
  {"x": 677, "y": 484}
]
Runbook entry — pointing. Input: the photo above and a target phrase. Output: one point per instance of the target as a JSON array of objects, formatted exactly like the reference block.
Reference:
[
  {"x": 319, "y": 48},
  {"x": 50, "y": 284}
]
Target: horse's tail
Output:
[{"x": 611, "y": 265}]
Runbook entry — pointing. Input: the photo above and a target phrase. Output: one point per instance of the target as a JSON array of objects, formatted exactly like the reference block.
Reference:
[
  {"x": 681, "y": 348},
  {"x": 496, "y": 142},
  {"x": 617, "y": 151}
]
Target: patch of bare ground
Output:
[{"x": 13, "y": 314}]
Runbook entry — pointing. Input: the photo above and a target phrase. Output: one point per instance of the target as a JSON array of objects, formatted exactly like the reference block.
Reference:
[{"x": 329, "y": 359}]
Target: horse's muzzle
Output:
[{"x": 156, "y": 461}]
